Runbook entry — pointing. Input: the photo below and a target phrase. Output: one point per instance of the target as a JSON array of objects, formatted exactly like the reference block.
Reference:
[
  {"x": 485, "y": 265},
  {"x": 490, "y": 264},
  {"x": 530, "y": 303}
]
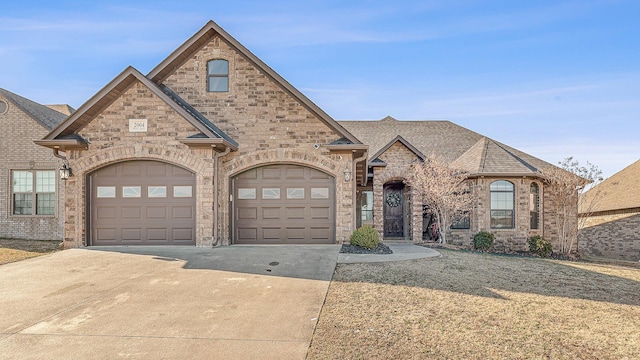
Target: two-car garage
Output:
[{"x": 146, "y": 202}]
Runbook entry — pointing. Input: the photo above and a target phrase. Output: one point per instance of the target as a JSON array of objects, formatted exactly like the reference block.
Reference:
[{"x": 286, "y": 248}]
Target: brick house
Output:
[
  {"x": 213, "y": 147},
  {"x": 612, "y": 220},
  {"x": 30, "y": 187}
]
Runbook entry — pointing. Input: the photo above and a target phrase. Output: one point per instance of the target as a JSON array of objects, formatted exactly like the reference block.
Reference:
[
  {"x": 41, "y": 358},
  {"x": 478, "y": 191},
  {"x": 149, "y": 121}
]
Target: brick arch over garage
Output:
[
  {"x": 332, "y": 166},
  {"x": 76, "y": 201}
]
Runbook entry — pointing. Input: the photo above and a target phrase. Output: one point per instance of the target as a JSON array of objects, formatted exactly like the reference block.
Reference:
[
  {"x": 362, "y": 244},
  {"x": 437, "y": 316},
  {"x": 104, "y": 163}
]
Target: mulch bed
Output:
[{"x": 382, "y": 249}]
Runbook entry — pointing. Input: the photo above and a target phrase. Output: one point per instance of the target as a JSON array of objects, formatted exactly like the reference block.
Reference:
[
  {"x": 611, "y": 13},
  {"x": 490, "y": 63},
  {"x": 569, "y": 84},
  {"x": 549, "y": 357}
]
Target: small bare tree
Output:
[
  {"x": 567, "y": 183},
  {"x": 443, "y": 190}
]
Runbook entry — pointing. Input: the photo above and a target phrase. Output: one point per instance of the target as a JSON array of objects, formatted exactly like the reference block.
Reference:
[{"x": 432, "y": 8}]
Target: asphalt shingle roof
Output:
[
  {"x": 465, "y": 148},
  {"x": 47, "y": 117},
  {"x": 620, "y": 191}
]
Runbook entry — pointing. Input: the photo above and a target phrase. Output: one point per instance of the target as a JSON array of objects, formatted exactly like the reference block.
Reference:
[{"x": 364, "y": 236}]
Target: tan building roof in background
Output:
[
  {"x": 620, "y": 191},
  {"x": 465, "y": 148}
]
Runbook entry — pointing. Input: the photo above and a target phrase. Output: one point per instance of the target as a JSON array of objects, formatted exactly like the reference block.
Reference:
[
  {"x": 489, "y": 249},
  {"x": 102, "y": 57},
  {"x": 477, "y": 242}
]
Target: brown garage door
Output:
[
  {"x": 142, "y": 203},
  {"x": 283, "y": 204}
]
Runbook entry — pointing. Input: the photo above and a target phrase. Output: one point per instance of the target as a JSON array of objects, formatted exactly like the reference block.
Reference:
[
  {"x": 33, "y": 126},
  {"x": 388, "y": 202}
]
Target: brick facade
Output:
[
  {"x": 20, "y": 153},
  {"x": 612, "y": 234},
  {"x": 269, "y": 124},
  {"x": 273, "y": 123}
]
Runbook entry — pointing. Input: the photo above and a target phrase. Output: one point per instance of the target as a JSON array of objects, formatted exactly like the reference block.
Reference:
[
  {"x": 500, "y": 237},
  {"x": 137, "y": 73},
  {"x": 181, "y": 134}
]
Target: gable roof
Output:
[
  {"x": 108, "y": 94},
  {"x": 620, "y": 191},
  {"x": 42, "y": 114},
  {"x": 208, "y": 32},
  {"x": 401, "y": 140},
  {"x": 467, "y": 149}
]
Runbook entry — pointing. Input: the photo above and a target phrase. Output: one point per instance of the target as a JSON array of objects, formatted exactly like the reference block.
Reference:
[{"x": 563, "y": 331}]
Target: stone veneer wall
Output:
[
  {"x": 613, "y": 235},
  {"x": 20, "y": 153}
]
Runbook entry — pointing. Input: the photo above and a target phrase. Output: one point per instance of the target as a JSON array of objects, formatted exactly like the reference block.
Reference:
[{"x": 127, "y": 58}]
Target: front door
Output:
[{"x": 393, "y": 210}]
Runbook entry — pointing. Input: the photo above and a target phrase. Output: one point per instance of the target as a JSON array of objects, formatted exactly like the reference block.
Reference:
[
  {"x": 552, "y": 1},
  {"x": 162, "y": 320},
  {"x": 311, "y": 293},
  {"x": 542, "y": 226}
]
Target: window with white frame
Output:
[{"x": 33, "y": 192}]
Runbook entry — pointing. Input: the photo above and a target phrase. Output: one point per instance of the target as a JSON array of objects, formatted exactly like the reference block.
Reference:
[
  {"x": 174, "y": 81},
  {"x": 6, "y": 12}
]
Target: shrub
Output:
[
  {"x": 366, "y": 237},
  {"x": 483, "y": 241},
  {"x": 539, "y": 246}
]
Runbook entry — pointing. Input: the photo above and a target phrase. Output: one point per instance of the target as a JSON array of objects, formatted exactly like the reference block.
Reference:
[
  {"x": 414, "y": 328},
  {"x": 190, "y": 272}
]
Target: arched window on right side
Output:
[{"x": 534, "y": 206}]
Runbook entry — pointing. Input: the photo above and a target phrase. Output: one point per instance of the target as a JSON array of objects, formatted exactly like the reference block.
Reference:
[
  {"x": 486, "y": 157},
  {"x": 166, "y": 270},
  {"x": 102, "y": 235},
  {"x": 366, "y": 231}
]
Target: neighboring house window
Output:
[
  {"x": 218, "y": 76},
  {"x": 461, "y": 221},
  {"x": 34, "y": 192},
  {"x": 534, "y": 206},
  {"x": 366, "y": 207},
  {"x": 502, "y": 205}
]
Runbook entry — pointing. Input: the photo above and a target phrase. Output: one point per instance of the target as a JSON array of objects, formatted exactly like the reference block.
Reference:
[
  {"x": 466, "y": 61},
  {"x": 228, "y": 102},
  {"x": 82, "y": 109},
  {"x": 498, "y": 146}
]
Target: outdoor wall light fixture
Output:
[
  {"x": 347, "y": 175},
  {"x": 65, "y": 172}
]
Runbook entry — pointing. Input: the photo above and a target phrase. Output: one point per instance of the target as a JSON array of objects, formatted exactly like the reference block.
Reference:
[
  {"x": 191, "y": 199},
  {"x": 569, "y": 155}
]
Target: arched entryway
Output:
[
  {"x": 283, "y": 204},
  {"x": 142, "y": 202},
  {"x": 394, "y": 210}
]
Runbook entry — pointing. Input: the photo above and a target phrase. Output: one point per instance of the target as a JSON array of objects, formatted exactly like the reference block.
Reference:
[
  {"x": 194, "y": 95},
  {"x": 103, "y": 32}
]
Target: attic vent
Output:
[{"x": 3, "y": 107}]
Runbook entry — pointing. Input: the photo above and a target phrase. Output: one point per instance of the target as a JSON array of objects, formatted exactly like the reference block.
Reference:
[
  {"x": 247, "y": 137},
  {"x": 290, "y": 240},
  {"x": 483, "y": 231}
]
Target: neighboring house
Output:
[
  {"x": 30, "y": 189},
  {"x": 611, "y": 216},
  {"x": 213, "y": 147}
]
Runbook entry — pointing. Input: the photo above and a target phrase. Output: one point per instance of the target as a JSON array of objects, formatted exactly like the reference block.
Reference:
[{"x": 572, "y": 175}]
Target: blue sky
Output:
[{"x": 551, "y": 78}]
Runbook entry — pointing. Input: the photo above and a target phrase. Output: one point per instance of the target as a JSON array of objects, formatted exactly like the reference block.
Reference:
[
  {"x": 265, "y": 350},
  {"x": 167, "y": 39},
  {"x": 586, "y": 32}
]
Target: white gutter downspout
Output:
[
  {"x": 216, "y": 157},
  {"x": 355, "y": 183}
]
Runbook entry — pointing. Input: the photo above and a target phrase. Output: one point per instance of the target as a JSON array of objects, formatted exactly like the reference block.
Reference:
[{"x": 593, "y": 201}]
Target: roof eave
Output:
[
  {"x": 217, "y": 144},
  {"x": 63, "y": 144}
]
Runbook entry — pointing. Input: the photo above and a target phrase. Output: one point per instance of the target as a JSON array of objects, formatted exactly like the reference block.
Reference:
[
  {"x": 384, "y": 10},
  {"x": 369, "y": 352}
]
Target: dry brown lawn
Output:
[
  {"x": 479, "y": 306},
  {"x": 12, "y": 250}
]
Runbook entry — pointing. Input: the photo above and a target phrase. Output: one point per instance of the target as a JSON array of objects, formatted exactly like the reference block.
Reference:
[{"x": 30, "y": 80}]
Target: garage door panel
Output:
[
  {"x": 271, "y": 234},
  {"x": 156, "y": 212},
  {"x": 247, "y": 234},
  {"x": 185, "y": 234},
  {"x": 132, "y": 234},
  {"x": 290, "y": 200},
  {"x": 319, "y": 233},
  {"x": 182, "y": 212},
  {"x": 160, "y": 211},
  {"x": 107, "y": 213},
  {"x": 271, "y": 213},
  {"x": 294, "y": 173},
  {"x": 106, "y": 234},
  {"x": 131, "y": 170},
  {"x": 270, "y": 174},
  {"x": 130, "y": 212},
  {"x": 295, "y": 213},
  {"x": 295, "y": 233},
  {"x": 320, "y": 213},
  {"x": 158, "y": 234},
  {"x": 249, "y": 213}
]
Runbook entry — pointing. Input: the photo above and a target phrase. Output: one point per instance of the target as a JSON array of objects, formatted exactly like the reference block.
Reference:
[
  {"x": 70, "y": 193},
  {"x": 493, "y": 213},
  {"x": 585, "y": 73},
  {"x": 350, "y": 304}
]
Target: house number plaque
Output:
[{"x": 137, "y": 125}]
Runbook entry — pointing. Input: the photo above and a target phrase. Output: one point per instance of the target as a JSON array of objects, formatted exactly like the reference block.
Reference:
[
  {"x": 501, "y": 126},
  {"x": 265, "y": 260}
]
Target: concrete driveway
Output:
[{"x": 238, "y": 302}]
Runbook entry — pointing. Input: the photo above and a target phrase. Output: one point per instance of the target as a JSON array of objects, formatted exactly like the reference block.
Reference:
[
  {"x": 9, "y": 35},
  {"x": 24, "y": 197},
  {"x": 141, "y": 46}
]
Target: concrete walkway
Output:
[{"x": 400, "y": 252}]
